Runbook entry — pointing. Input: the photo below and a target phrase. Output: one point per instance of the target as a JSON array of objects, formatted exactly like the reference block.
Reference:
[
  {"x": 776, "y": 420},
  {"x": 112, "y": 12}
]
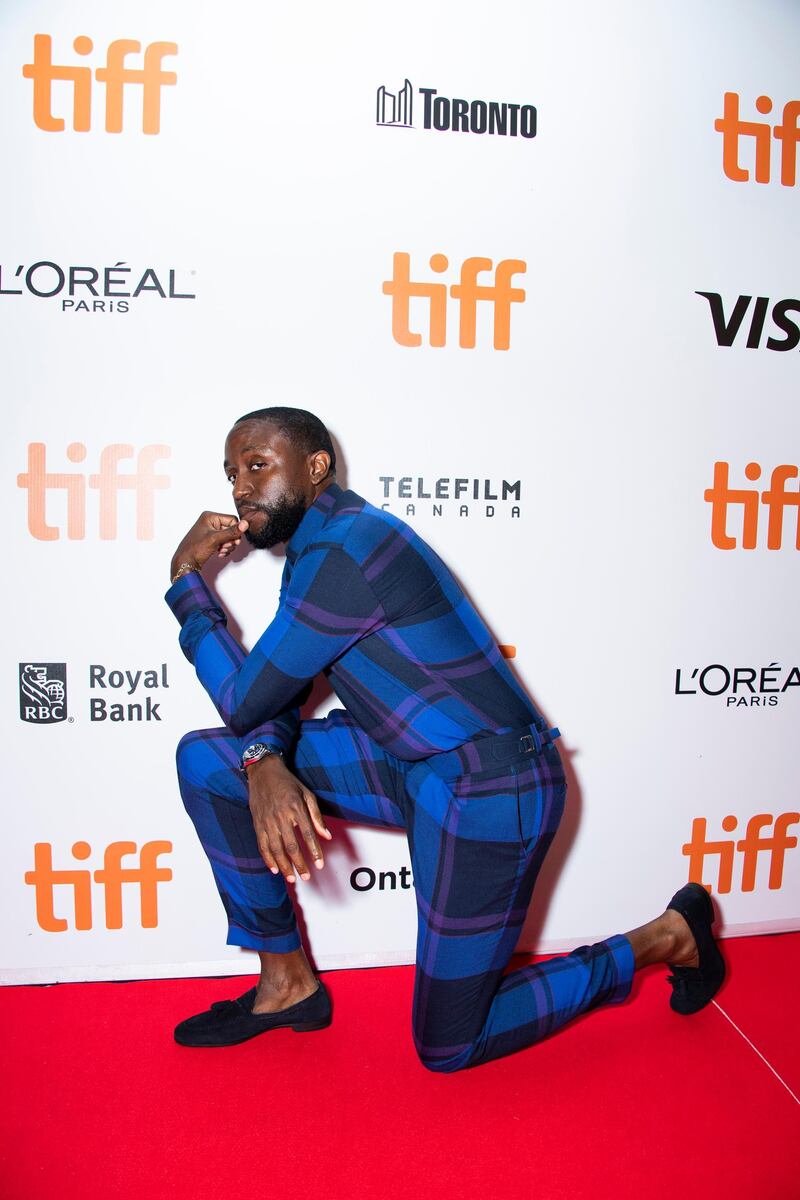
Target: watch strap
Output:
[{"x": 253, "y": 754}]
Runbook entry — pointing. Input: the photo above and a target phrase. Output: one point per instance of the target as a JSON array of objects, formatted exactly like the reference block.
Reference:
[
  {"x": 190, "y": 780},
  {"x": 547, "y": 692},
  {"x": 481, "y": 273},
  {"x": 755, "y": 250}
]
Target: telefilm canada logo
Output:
[
  {"x": 731, "y": 318},
  {"x": 450, "y": 496},
  {"x": 94, "y": 289},
  {"x": 441, "y": 113},
  {"x": 739, "y": 687},
  {"x": 43, "y": 693},
  {"x": 115, "y": 694}
]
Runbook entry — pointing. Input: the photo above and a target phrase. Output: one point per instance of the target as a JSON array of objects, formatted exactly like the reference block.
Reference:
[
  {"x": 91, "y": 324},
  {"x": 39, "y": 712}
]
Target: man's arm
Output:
[
  {"x": 281, "y": 733},
  {"x": 328, "y": 606}
]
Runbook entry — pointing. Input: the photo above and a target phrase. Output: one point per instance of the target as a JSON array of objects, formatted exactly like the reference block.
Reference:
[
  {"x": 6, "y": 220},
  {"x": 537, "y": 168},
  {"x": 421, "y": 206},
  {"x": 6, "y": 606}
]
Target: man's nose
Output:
[{"x": 241, "y": 489}]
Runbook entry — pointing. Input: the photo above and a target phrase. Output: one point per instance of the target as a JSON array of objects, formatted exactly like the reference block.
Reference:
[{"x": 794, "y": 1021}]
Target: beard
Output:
[{"x": 283, "y": 518}]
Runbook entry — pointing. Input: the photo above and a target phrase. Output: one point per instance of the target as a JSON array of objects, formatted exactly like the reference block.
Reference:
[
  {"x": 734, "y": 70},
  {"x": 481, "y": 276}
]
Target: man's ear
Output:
[{"x": 320, "y": 464}]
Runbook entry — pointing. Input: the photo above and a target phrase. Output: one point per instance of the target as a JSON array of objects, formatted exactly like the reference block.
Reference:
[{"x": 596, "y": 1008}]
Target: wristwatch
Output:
[{"x": 256, "y": 752}]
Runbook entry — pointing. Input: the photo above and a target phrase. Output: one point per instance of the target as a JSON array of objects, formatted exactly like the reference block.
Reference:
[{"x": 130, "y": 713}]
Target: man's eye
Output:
[
  {"x": 231, "y": 477},
  {"x": 254, "y": 466}
]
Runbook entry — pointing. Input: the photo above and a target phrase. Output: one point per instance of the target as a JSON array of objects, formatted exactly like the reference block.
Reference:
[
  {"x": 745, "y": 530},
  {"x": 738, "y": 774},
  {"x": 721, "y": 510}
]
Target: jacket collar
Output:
[{"x": 313, "y": 521}]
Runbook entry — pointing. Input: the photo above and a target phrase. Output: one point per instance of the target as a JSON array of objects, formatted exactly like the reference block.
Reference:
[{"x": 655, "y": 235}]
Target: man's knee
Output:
[
  {"x": 437, "y": 1053},
  {"x": 444, "y": 1064},
  {"x": 189, "y": 758},
  {"x": 208, "y": 770},
  {"x": 448, "y": 1020}
]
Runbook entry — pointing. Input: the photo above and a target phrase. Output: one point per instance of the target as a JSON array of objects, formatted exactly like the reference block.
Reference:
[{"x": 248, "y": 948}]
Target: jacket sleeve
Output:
[
  {"x": 327, "y": 607},
  {"x": 280, "y": 733}
]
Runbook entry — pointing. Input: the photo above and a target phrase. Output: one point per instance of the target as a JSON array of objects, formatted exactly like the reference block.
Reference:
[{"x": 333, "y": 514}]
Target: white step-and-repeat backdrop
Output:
[{"x": 535, "y": 265}]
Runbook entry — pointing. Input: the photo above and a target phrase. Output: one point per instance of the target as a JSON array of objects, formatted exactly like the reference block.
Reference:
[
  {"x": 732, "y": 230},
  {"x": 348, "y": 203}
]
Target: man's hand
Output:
[
  {"x": 212, "y": 533},
  {"x": 279, "y": 806}
]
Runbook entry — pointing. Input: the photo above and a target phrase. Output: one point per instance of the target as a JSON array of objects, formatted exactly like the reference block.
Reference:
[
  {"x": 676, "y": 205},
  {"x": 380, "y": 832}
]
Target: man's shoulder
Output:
[
  {"x": 394, "y": 560},
  {"x": 356, "y": 524}
]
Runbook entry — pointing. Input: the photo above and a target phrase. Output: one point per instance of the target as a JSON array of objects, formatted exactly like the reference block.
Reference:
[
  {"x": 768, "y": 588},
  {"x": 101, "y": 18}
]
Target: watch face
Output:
[{"x": 257, "y": 750}]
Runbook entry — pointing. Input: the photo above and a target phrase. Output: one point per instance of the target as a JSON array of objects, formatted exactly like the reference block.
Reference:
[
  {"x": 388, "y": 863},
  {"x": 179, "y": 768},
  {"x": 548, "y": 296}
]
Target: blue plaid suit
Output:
[{"x": 437, "y": 738}]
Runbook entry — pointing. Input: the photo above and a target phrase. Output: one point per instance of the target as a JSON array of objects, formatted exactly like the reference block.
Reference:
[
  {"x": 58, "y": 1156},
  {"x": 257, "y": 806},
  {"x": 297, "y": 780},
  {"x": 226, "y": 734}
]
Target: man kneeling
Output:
[{"x": 436, "y": 737}]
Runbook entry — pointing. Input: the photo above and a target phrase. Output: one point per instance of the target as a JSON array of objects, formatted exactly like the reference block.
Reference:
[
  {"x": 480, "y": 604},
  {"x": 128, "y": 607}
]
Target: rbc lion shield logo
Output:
[{"x": 43, "y": 693}]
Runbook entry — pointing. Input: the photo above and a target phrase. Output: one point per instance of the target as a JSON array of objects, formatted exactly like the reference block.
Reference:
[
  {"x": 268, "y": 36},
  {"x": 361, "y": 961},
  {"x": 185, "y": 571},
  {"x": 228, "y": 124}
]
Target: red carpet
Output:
[{"x": 630, "y": 1101}]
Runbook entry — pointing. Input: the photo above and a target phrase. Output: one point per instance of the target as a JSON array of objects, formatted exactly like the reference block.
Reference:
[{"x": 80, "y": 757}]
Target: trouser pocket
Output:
[
  {"x": 540, "y": 803},
  {"x": 526, "y": 822}
]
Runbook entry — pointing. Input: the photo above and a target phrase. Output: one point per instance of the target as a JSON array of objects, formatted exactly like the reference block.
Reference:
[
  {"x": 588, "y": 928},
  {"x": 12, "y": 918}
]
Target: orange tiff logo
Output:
[
  {"x": 115, "y": 75},
  {"x": 755, "y": 844},
  {"x": 146, "y": 875},
  {"x": 775, "y": 498},
  {"x": 468, "y": 292},
  {"x": 733, "y": 129},
  {"x": 108, "y": 482}
]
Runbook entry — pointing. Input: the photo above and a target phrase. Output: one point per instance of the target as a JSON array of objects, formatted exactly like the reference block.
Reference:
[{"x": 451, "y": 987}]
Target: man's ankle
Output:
[
  {"x": 285, "y": 980},
  {"x": 274, "y": 994}
]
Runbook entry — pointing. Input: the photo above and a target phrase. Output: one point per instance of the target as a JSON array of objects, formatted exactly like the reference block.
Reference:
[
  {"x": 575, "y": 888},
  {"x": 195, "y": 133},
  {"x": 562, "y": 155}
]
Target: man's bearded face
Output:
[
  {"x": 270, "y": 480},
  {"x": 275, "y": 522}
]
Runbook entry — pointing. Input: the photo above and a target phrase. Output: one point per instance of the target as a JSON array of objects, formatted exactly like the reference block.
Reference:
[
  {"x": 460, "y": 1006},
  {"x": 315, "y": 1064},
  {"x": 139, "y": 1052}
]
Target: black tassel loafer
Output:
[
  {"x": 694, "y": 987},
  {"x": 229, "y": 1022}
]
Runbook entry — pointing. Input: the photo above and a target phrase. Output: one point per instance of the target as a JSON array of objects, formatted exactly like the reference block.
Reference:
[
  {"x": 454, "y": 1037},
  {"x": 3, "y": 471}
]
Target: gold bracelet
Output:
[{"x": 183, "y": 569}]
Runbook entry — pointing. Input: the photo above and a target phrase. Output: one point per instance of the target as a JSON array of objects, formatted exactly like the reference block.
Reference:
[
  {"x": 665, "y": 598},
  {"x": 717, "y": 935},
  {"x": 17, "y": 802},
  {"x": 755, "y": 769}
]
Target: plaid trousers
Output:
[{"x": 477, "y": 839}]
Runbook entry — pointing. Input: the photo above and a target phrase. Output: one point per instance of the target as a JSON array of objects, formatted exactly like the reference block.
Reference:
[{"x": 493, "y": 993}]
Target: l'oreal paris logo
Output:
[
  {"x": 742, "y": 687},
  {"x": 88, "y": 289}
]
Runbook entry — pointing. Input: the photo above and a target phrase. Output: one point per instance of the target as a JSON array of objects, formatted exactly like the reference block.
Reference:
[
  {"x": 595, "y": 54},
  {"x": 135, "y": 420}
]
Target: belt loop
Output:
[
  {"x": 492, "y": 750},
  {"x": 531, "y": 741}
]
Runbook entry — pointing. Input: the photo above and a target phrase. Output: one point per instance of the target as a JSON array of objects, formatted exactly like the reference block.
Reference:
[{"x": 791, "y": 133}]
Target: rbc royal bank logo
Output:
[{"x": 43, "y": 693}]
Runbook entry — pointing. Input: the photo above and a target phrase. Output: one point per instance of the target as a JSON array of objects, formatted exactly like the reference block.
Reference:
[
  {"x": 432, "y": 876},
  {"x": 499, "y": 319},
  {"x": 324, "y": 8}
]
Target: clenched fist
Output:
[{"x": 212, "y": 533}]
